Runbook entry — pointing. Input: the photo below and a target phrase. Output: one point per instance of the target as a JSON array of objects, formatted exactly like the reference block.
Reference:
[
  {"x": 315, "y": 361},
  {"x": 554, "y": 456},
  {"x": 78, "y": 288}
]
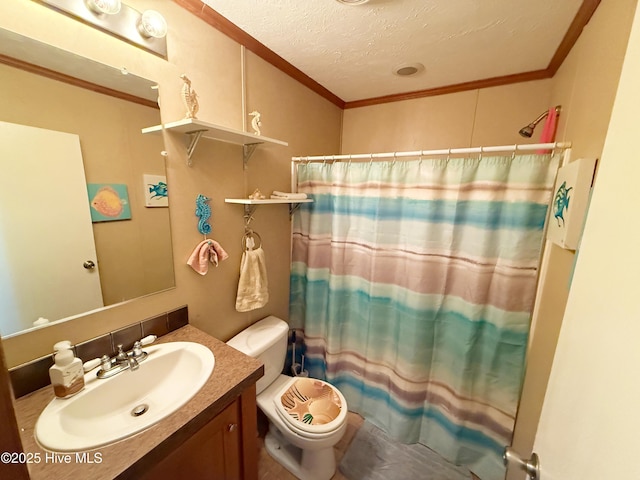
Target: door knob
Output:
[
  {"x": 531, "y": 467},
  {"x": 89, "y": 265}
]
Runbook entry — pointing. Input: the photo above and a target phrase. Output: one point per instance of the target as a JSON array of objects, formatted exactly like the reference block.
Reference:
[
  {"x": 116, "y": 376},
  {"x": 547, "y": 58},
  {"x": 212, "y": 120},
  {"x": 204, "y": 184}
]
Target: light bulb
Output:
[
  {"x": 108, "y": 7},
  {"x": 152, "y": 24}
]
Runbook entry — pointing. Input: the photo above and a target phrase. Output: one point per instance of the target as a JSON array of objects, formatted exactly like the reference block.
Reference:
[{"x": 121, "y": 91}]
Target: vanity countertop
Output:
[{"x": 233, "y": 373}]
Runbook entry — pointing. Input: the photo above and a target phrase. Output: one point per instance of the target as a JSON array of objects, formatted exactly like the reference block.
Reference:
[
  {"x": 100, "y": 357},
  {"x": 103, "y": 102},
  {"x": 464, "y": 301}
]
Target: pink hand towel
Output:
[
  {"x": 207, "y": 251},
  {"x": 549, "y": 130}
]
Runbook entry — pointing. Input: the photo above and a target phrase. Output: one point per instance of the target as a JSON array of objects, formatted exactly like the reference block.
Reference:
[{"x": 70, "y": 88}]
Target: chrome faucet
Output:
[
  {"x": 123, "y": 360},
  {"x": 126, "y": 360}
]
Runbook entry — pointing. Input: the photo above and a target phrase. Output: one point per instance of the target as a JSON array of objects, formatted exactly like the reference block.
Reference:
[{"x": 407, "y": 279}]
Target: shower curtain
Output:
[{"x": 414, "y": 283}]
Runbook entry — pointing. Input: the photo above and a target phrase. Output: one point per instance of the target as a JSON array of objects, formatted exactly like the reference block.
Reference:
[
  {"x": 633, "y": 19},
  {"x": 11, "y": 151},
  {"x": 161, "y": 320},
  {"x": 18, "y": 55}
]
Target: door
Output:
[
  {"x": 590, "y": 423},
  {"x": 48, "y": 218}
]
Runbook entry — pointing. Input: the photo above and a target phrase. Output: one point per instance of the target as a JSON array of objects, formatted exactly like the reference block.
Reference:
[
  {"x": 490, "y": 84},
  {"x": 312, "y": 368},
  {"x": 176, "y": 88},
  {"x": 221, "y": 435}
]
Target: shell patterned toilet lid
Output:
[{"x": 311, "y": 401}]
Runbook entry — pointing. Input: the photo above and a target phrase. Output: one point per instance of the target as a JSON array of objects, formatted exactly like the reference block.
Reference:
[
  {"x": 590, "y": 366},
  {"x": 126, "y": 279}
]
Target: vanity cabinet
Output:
[
  {"x": 213, "y": 436},
  {"x": 225, "y": 448}
]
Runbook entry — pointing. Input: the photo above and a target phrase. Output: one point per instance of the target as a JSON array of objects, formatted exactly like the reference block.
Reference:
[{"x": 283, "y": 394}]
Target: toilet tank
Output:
[{"x": 265, "y": 340}]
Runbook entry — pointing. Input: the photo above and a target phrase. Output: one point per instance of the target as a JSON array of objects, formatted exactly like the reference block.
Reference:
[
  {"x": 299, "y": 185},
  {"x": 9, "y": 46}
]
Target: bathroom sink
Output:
[{"x": 115, "y": 408}]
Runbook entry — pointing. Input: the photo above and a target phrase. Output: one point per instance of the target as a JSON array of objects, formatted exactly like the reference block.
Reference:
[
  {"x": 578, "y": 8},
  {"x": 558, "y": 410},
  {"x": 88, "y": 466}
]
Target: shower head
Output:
[{"x": 528, "y": 130}]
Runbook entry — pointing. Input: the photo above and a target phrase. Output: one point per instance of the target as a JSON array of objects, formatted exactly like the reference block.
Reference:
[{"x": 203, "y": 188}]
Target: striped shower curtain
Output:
[{"x": 414, "y": 283}]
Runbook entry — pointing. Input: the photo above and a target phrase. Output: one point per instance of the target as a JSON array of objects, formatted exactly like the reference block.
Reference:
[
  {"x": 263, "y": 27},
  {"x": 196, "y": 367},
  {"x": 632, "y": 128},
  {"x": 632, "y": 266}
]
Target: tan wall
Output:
[
  {"x": 290, "y": 112},
  {"x": 490, "y": 116},
  {"x": 586, "y": 86}
]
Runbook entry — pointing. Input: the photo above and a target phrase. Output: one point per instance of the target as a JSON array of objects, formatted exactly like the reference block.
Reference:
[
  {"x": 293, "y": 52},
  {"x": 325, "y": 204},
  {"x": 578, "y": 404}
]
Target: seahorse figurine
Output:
[
  {"x": 189, "y": 97},
  {"x": 256, "y": 123}
]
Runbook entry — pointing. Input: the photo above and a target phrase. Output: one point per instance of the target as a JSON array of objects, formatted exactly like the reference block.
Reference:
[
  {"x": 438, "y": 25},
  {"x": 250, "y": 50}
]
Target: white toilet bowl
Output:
[
  {"x": 303, "y": 427},
  {"x": 306, "y": 454}
]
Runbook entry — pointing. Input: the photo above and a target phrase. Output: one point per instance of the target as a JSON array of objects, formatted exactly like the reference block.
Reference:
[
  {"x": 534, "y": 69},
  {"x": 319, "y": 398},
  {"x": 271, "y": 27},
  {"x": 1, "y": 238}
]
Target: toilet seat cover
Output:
[{"x": 311, "y": 405}]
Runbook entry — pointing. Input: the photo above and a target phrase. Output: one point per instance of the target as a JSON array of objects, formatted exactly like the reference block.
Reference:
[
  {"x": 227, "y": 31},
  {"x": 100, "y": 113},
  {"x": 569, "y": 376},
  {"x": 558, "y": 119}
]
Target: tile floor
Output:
[{"x": 269, "y": 469}]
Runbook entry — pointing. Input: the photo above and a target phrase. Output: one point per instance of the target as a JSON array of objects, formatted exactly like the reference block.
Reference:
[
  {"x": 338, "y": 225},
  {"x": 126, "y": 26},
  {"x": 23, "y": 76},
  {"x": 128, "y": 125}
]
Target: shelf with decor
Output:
[
  {"x": 196, "y": 129},
  {"x": 250, "y": 204}
]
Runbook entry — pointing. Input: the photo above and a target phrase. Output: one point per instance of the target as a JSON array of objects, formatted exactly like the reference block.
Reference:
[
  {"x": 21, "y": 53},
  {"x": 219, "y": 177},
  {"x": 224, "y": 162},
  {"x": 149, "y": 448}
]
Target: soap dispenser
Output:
[{"x": 67, "y": 374}]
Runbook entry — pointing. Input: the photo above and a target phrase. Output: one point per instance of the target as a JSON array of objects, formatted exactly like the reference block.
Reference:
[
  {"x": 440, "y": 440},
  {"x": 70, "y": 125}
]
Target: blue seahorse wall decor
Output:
[
  {"x": 561, "y": 202},
  {"x": 203, "y": 211}
]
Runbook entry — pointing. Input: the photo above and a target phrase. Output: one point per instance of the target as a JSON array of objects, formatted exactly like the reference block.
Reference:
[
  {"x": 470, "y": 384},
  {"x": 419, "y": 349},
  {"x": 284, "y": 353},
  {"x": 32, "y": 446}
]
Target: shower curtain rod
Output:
[{"x": 446, "y": 151}]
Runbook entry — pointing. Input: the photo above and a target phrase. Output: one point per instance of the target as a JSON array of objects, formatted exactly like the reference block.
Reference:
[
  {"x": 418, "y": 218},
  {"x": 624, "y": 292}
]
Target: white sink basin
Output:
[{"x": 102, "y": 413}]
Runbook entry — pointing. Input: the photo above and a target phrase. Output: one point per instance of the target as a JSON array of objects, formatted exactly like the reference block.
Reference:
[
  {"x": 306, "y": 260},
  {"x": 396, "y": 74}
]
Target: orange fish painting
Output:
[{"x": 108, "y": 202}]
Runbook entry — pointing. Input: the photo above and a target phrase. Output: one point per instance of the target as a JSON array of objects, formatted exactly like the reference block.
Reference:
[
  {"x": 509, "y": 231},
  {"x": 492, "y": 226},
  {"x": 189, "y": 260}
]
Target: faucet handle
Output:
[
  {"x": 148, "y": 340},
  {"x": 91, "y": 364},
  {"x": 103, "y": 362},
  {"x": 137, "y": 347}
]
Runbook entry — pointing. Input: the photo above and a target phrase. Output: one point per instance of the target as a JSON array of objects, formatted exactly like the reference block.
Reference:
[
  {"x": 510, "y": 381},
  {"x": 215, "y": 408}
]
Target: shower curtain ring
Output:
[
  {"x": 394, "y": 159},
  {"x": 370, "y": 158},
  {"x": 448, "y": 155}
]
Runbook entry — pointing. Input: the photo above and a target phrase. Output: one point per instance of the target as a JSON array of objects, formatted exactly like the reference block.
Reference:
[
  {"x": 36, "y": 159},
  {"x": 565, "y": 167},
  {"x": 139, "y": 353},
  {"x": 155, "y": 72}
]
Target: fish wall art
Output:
[
  {"x": 108, "y": 202},
  {"x": 570, "y": 202},
  {"x": 156, "y": 192}
]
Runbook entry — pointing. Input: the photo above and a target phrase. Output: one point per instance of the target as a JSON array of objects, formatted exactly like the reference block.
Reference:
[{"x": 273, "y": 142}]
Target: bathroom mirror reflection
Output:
[{"x": 84, "y": 222}]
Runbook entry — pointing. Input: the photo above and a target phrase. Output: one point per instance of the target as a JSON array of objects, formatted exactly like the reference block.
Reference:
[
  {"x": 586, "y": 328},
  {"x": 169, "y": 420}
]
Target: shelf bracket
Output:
[
  {"x": 293, "y": 207},
  {"x": 247, "y": 151},
  {"x": 194, "y": 137},
  {"x": 249, "y": 210}
]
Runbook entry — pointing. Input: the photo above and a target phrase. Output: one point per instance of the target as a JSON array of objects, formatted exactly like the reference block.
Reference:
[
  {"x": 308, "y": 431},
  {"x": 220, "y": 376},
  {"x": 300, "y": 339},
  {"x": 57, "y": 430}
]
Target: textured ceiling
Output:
[{"x": 353, "y": 50}]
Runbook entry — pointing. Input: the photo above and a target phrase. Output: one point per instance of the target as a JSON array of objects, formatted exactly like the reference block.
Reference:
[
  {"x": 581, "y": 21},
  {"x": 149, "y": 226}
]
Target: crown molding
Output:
[{"x": 213, "y": 18}]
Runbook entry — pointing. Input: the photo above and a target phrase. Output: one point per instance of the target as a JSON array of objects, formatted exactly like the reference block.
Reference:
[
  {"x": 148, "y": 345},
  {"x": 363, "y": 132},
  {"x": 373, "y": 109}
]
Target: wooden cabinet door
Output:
[{"x": 212, "y": 453}]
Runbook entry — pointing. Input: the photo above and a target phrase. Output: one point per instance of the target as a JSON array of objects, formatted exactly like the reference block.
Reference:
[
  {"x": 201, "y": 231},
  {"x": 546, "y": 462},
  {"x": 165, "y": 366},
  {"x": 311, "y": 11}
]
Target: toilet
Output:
[{"x": 307, "y": 416}]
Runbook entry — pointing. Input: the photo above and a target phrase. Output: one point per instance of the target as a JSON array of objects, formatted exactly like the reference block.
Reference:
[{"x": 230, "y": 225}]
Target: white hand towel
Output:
[
  {"x": 253, "y": 287},
  {"x": 288, "y": 195}
]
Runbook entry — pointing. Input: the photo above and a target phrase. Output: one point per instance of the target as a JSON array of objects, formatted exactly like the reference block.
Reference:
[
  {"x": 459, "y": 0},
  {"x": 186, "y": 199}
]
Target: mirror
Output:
[{"x": 75, "y": 165}]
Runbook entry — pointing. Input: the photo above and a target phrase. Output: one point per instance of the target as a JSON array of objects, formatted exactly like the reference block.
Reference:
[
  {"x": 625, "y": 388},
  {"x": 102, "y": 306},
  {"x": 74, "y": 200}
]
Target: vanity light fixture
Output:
[
  {"x": 152, "y": 25},
  {"x": 107, "y": 7},
  {"x": 147, "y": 30}
]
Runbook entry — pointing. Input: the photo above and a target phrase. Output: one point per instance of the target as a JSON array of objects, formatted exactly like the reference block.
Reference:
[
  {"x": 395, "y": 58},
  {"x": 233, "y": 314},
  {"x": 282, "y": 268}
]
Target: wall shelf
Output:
[
  {"x": 196, "y": 129},
  {"x": 250, "y": 205}
]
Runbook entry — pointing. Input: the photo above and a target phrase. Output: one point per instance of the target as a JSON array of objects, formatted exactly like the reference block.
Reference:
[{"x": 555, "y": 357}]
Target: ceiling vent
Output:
[{"x": 408, "y": 69}]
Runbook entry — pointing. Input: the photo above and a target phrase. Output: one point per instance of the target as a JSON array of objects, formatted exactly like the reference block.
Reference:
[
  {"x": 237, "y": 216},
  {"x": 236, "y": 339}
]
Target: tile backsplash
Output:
[{"x": 34, "y": 375}]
